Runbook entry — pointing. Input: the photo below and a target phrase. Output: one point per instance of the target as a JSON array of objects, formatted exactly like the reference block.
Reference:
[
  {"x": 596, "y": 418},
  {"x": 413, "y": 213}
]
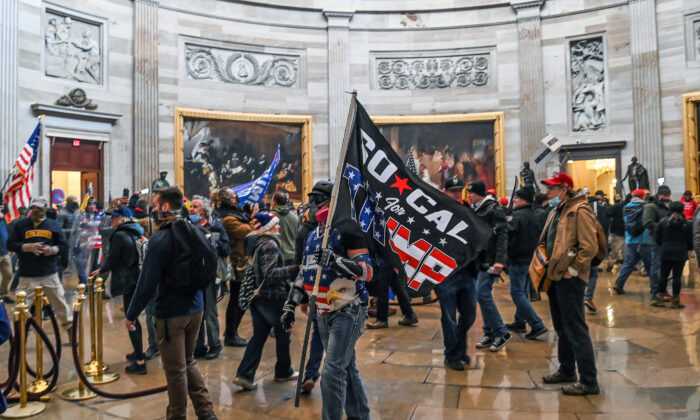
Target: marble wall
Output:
[{"x": 281, "y": 56}]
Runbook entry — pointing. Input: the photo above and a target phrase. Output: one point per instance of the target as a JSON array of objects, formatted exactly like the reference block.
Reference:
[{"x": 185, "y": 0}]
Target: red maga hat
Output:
[
  {"x": 559, "y": 178},
  {"x": 639, "y": 193}
]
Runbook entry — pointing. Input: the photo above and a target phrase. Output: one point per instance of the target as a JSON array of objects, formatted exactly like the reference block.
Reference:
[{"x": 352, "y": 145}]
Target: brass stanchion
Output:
[
  {"x": 24, "y": 408},
  {"x": 39, "y": 384},
  {"x": 80, "y": 392},
  {"x": 102, "y": 377},
  {"x": 90, "y": 367}
]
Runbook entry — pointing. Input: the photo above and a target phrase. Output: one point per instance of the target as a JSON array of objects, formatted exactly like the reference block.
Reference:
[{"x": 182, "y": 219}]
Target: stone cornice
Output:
[
  {"x": 75, "y": 113},
  {"x": 518, "y": 5},
  {"x": 338, "y": 19}
]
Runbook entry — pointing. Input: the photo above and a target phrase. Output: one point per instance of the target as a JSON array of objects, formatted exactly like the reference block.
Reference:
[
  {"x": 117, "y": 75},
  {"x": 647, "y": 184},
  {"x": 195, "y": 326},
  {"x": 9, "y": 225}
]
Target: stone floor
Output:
[{"x": 648, "y": 360}]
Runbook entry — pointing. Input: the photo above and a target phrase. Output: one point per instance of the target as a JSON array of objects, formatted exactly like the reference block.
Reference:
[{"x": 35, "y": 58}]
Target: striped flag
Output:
[{"x": 19, "y": 193}]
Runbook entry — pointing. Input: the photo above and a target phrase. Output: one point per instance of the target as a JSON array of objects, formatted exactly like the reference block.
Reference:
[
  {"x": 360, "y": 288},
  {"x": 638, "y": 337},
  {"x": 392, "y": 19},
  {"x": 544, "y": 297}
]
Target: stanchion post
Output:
[
  {"x": 40, "y": 384},
  {"x": 80, "y": 392},
  {"x": 90, "y": 367},
  {"x": 101, "y": 377},
  {"x": 24, "y": 408}
]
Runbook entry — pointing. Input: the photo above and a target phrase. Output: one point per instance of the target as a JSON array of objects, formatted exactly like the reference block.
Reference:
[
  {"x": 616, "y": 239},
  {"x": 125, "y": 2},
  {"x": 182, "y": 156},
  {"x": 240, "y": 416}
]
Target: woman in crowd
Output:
[{"x": 674, "y": 235}]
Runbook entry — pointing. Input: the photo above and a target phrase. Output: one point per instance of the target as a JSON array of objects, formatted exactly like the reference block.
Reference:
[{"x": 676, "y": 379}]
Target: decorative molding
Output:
[
  {"x": 692, "y": 39},
  {"x": 587, "y": 72},
  {"x": 73, "y": 47},
  {"x": 433, "y": 72},
  {"x": 75, "y": 113},
  {"x": 518, "y": 5},
  {"x": 76, "y": 98},
  {"x": 203, "y": 62}
]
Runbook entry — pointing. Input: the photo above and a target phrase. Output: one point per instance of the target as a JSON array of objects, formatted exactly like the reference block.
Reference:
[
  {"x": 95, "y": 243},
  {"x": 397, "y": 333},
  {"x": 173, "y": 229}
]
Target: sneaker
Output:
[
  {"x": 152, "y": 353},
  {"x": 558, "y": 377},
  {"x": 8, "y": 300},
  {"x": 213, "y": 353},
  {"x": 516, "y": 327},
  {"x": 485, "y": 342},
  {"x": 294, "y": 375},
  {"x": 200, "y": 352},
  {"x": 235, "y": 341},
  {"x": 618, "y": 290},
  {"x": 676, "y": 303},
  {"x": 590, "y": 305},
  {"x": 131, "y": 357},
  {"x": 245, "y": 384},
  {"x": 466, "y": 359},
  {"x": 210, "y": 416},
  {"x": 377, "y": 325},
  {"x": 454, "y": 364},
  {"x": 500, "y": 342},
  {"x": 658, "y": 300},
  {"x": 580, "y": 389},
  {"x": 308, "y": 384},
  {"x": 136, "y": 369},
  {"x": 536, "y": 332},
  {"x": 409, "y": 320}
]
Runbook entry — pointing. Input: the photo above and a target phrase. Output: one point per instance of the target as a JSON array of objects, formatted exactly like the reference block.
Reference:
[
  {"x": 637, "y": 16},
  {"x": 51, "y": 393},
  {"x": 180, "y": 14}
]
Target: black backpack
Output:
[
  {"x": 194, "y": 267},
  {"x": 633, "y": 222}
]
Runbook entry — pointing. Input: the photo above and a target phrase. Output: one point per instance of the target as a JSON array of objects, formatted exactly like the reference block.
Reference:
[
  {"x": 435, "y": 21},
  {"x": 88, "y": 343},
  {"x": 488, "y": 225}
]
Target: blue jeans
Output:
[
  {"x": 650, "y": 258},
  {"x": 264, "y": 318},
  {"x": 519, "y": 292},
  {"x": 457, "y": 293},
  {"x": 493, "y": 323},
  {"x": 315, "y": 354},
  {"x": 341, "y": 385},
  {"x": 592, "y": 282}
]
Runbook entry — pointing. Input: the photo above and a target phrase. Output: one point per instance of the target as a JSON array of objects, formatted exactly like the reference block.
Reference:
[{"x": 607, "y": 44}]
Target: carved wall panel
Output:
[
  {"x": 437, "y": 72},
  {"x": 73, "y": 48},
  {"x": 241, "y": 67},
  {"x": 587, "y": 68},
  {"x": 692, "y": 39}
]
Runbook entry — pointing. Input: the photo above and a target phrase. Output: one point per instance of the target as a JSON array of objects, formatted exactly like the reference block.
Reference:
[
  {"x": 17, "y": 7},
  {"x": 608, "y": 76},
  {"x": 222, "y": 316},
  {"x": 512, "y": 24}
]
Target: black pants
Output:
[
  {"x": 574, "y": 346},
  {"x": 666, "y": 267},
  {"x": 386, "y": 277},
  {"x": 234, "y": 313},
  {"x": 135, "y": 336}
]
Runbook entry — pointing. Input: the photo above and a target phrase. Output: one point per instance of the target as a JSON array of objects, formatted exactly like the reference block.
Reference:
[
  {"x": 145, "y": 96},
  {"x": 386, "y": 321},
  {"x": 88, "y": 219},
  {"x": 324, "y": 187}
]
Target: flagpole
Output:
[
  {"x": 14, "y": 167},
  {"x": 331, "y": 211}
]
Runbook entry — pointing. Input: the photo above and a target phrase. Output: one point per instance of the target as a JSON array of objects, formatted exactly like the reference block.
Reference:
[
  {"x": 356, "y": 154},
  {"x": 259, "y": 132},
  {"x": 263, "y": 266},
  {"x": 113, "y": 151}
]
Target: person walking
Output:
[
  {"x": 177, "y": 315},
  {"x": 386, "y": 277},
  {"x": 490, "y": 264},
  {"x": 289, "y": 224},
  {"x": 210, "y": 348},
  {"x": 124, "y": 260},
  {"x": 674, "y": 235},
  {"x": 38, "y": 241},
  {"x": 635, "y": 237},
  {"x": 522, "y": 242},
  {"x": 455, "y": 294},
  {"x": 655, "y": 210},
  {"x": 689, "y": 205},
  {"x": 273, "y": 278},
  {"x": 570, "y": 240}
]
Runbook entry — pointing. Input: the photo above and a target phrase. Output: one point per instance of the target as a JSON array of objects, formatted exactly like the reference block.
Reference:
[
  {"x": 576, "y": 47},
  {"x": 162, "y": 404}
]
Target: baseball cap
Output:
[
  {"x": 39, "y": 201},
  {"x": 120, "y": 212},
  {"x": 559, "y": 178},
  {"x": 600, "y": 192},
  {"x": 453, "y": 183},
  {"x": 639, "y": 193}
]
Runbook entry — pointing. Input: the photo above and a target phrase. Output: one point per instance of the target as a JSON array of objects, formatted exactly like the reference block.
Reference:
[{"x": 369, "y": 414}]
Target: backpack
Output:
[
  {"x": 602, "y": 246},
  {"x": 141, "y": 245},
  {"x": 194, "y": 266},
  {"x": 634, "y": 222}
]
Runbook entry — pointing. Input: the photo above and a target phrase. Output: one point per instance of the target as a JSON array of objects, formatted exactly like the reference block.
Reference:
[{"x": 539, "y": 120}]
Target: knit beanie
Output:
[
  {"x": 525, "y": 193},
  {"x": 676, "y": 207},
  {"x": 477, "y": 187},
  {"x": 264, "y": 221}
]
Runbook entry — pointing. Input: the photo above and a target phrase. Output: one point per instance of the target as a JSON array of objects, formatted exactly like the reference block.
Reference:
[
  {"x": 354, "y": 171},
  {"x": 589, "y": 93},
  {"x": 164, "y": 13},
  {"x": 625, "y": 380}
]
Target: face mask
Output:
[
  {"x": 38, "y": 215},
  {"x": 195, "y": 218},
  {"x": 555, "y": 201},
  {"x": 159, "y": 216}
]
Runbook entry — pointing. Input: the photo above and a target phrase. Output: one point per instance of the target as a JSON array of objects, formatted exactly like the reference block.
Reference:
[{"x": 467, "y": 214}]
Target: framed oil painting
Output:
[
  {"x": 224, "y": 149},
  {"x": 469, "y": 146}
]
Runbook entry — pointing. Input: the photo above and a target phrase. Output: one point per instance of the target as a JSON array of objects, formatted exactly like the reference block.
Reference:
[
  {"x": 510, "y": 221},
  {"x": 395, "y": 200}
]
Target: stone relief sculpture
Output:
[
  {"x": 72, "y": 49},
  {"x": 433, "y": 72},
  {"x": 588, "y": 84},
  {"x": 697, "y": 38},
  {"x": 241, "y": 67}
]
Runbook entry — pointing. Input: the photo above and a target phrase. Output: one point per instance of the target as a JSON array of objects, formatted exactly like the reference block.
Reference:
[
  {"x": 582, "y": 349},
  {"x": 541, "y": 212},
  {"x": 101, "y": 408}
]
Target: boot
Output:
[
  {"x": 658, "y": 300},
  {"x": 676, "y": 303}
]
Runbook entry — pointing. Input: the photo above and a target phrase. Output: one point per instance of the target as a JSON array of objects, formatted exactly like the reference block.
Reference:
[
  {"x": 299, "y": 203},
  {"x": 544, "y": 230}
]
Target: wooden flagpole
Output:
[{"x": 331, "y": 210}]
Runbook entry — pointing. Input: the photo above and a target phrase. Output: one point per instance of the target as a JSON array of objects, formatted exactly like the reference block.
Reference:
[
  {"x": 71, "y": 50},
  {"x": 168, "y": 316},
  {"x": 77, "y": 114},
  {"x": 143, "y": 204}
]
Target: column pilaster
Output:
[{"x": 9, "y": 99}]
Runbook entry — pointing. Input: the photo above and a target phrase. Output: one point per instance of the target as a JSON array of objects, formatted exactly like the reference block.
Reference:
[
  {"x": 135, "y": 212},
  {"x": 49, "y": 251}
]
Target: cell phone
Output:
[
  {"x": 125, "y": 192},
  {"x": 491, "y": 270}
]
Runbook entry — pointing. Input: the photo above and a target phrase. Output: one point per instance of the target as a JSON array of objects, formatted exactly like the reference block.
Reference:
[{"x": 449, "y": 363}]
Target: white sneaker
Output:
[{"x": 245, "y": 384}]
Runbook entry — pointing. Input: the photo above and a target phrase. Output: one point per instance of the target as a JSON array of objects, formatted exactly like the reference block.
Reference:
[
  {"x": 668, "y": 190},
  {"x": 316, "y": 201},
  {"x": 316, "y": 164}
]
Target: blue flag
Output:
[{"x": 252, "y": 192}]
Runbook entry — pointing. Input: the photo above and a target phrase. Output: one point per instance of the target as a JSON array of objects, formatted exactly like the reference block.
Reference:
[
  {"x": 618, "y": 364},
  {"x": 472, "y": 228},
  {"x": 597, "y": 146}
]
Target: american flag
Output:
[
  {"x": 19, "y": 193},
  {"x": 410, "y": 163}
]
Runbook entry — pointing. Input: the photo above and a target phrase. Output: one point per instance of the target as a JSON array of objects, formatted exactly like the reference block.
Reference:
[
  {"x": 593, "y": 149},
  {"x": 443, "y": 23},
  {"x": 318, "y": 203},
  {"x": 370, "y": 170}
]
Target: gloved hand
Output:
[
  {"x": 325, "y": 257},
  {"x": 287, "y": 318}
]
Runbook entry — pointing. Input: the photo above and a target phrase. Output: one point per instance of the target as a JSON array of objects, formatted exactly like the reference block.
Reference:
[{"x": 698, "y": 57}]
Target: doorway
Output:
[
  {"x": 594, "y": 174},
  {"x": 75, "y": 164}
]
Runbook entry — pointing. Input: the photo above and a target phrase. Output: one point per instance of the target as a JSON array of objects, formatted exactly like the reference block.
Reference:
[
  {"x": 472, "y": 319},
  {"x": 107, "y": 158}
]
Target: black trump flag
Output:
[{"x": 410, "y": 224}]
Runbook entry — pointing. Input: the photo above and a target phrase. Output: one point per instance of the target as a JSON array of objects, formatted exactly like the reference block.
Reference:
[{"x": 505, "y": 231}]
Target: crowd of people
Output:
[{"x": 278, "y": 251}]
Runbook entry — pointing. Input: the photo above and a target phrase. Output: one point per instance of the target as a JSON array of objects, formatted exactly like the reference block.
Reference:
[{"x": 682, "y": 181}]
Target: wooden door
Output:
[
  {"x": 80, "y": 155},
  {"x": 90, "y": 177}
]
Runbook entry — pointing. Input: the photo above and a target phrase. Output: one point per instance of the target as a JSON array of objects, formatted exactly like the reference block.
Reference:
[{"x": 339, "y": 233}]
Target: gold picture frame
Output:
[
  {"x": 690, "y": 141},
  {"x": 498, "y": 134},
  {"x": 191, "y": 113}
]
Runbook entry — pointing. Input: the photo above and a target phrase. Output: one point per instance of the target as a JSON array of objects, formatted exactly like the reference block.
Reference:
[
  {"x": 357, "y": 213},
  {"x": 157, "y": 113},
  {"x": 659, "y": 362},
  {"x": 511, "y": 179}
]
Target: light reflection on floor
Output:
[{"x": 648, "y": 361}]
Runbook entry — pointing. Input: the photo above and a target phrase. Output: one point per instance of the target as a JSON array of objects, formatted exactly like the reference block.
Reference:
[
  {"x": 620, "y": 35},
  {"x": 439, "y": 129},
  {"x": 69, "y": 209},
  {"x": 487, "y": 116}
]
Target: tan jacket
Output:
[
  {"x": 237, "y": 230},
  {"x": 576, "y": 243}
]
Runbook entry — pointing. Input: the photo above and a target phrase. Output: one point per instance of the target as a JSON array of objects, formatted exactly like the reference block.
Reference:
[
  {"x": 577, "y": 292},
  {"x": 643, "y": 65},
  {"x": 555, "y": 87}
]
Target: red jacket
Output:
[{"x": 689, "y": 207}]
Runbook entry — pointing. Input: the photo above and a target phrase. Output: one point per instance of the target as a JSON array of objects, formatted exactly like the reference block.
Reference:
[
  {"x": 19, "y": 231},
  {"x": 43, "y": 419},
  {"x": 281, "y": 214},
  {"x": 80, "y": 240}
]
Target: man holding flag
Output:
[{"x": 408, "y": 222}]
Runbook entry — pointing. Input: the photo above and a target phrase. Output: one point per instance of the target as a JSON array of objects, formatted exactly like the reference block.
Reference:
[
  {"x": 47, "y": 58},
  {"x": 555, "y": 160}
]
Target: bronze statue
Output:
[
  {"x": 638, "y": 176},
  {"x": 160, "y": 183},
  {"x": 527, "y": 176}
]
